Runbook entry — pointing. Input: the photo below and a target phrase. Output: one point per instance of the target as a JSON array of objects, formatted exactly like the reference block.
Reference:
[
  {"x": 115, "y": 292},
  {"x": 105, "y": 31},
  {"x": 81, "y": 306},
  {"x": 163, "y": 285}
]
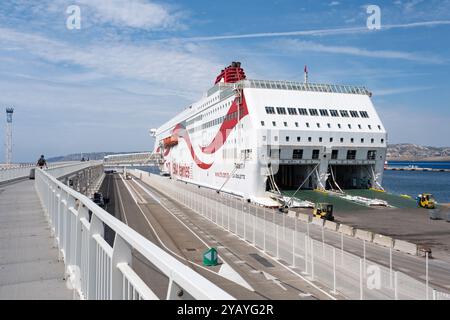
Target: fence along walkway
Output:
[
  {"x": 353, "y": 276},
  {"x": 100, "y": 271},
  {"x": 57, "y": 169}
]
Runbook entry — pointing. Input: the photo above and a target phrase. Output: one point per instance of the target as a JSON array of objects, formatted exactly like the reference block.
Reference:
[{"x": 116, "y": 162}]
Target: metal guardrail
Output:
[
  {"x": 100, "y": 271},
  {"x": 58, "y": 169},
  {"x": 12, "y": 173},
  {"x": 280, "y": 236}
]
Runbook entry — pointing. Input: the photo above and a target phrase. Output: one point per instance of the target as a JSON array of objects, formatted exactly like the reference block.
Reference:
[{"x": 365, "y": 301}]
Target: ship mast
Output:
[{"x": 239, "y": 101}]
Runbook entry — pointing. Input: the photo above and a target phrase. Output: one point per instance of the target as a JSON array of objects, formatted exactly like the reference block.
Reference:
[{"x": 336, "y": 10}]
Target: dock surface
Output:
[{"x": 29, "y": 264}]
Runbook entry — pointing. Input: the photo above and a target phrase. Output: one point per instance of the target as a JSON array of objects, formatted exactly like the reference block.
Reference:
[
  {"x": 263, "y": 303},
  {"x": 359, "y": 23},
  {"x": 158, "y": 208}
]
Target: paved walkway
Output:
[{"x": 29, "y": 265}]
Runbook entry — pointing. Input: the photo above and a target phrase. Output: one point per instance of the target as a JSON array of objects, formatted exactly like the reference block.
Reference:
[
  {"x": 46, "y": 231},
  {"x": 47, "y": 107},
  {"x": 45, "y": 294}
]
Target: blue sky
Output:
[{"x": 136, "y": 63}]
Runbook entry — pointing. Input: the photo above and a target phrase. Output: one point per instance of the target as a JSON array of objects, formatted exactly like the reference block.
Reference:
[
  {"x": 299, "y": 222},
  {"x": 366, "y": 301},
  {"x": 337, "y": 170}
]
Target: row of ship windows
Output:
[
  {"x": 274, "y": 124},
  {"x": 315, "y": 112},
  {"x": 351, "y": 154},
  {"x": 209, "y": 102},
  {"x": 211, "y": 112},
  {"x": 214, "y": 122},
  {"x": 320, "y": 139}
]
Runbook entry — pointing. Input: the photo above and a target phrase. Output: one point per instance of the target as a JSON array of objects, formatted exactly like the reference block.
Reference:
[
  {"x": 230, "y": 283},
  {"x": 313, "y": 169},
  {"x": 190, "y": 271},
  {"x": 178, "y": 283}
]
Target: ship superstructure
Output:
[{"x": 250, "y": 137}]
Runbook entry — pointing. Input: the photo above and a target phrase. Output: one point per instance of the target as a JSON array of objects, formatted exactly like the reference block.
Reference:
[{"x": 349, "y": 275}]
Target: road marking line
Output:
[{"x": 120, "y": 201}]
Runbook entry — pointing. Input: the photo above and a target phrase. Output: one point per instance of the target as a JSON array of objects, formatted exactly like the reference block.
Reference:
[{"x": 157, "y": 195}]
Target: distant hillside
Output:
[
  {"x": 414, "y": 152},
  {"x": 88, "y": 155}
]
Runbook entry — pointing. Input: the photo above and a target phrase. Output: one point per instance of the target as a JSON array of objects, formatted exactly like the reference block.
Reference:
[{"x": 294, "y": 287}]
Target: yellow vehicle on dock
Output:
[
  {"x": 323, "y": 211},
  {"x": 426, "y": 200}
]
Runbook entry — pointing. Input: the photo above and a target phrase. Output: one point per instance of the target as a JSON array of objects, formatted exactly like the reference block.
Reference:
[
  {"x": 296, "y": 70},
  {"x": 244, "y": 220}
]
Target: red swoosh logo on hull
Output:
[
  {"x": 181, "y": 131},
  {"x": 231, "y": 120}
]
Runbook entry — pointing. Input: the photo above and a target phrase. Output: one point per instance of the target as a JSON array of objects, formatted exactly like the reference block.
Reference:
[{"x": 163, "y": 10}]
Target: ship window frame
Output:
[
  {"x": 354, "y": 114},
  {"x": 344, "y": 113},
  {"x": 292, "y": 111},
  {"x": 364, "y": 114},
  {"x": 281, "y": 110},
  {"x": 334, "y": 154},
  {"x": 351, "y": 154},
  {"x": 334, "y": 113},
  {"x": 371, "y": 154},
  {"x": 297, "y": 154},
  {"x": 303, "y": 111},
  {"x": 315, "y": 154},
  {"x": 271, "y": 109}
]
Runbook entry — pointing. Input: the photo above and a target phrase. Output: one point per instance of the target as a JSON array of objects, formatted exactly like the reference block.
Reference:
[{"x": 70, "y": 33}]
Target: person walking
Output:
[{"x": 42, "y": 162}]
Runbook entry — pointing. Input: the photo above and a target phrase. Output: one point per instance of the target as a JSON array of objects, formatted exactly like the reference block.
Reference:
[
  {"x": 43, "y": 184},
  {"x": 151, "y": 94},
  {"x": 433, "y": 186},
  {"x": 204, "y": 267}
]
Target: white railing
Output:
[
  {"x": 16, "y": 172},
  {"x": 290, "y": 240},
  {"x": 57, "y": 169},
  {"x": 98, "y": 270}
]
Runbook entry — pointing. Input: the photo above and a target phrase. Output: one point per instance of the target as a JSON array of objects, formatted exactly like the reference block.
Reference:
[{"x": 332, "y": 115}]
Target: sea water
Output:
[{"x": 413, "y": 183}]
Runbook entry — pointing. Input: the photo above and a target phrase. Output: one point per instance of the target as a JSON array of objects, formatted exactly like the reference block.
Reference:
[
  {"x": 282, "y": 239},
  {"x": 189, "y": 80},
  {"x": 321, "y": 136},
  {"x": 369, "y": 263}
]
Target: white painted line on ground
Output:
[{"x": 120, "y": 201}]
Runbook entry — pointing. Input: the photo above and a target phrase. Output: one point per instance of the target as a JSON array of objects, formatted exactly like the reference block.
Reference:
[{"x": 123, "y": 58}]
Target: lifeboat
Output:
[{"x": 170, "y": 141}]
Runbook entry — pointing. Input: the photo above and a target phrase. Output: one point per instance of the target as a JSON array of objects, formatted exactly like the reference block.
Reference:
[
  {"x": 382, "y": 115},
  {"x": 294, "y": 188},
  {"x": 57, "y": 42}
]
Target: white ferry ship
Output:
[{"x": 253, "y": 138}]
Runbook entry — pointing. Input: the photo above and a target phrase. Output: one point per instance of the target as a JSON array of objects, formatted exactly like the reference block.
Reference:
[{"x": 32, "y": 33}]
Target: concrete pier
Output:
[{"x": 29, "y": 264}]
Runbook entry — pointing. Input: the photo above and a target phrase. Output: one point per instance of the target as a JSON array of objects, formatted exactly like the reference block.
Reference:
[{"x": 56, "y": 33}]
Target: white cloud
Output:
[
  {"x": 393, "y": 91},
  {"x": 184, "y": 67},
  {"x": 134, "y": 13},
  {"x": 316, "y": 32},
  {"x": 334, "y": 3},
  {"x": 305, "y": 46}
]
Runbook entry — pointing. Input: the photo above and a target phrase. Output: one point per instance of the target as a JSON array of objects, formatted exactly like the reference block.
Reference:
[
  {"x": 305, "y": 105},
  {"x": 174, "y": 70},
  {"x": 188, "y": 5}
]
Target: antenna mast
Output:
[
  {"x": 8, "y": 142},
  {"x": 306, "y": 74}
]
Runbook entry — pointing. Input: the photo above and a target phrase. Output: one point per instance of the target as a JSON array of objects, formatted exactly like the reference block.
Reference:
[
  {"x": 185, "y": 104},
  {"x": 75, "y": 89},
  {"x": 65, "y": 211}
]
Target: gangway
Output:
[{"x": 133, "y": 159}]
